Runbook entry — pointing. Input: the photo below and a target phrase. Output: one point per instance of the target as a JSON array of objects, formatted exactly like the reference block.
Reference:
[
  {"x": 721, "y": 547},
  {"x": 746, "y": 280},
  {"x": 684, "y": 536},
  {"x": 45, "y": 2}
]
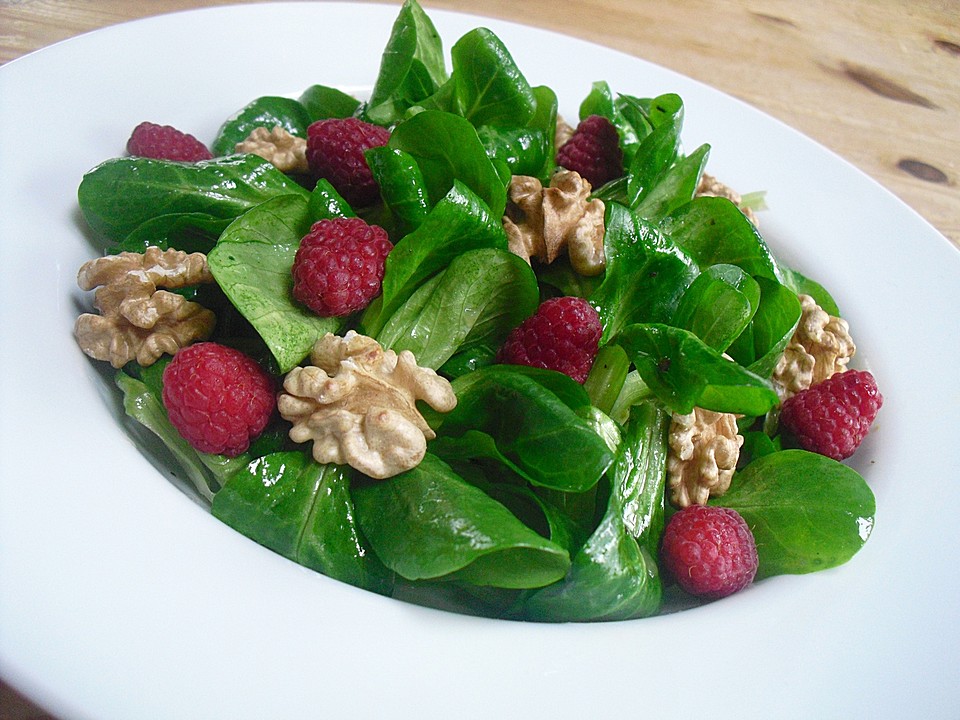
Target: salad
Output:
[{"x": 505, "y": 487}]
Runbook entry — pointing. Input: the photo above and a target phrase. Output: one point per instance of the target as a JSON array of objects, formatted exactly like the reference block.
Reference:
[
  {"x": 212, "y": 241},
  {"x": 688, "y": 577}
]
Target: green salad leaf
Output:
[
  {"x": 712, "y": 230},
  {"x": 458, "y": 223},
  {"x": 761, "y": 344},
  {"x": 448, "y": 151},
  {"x": 718, "y": 305},
  {"x": 475, "y": 302},
  {"x": 412, "y": 67},
  {"x": 190, "y": 232},
  {"x": 430, "y": 523},
  {"x": 674, "y": 187},
  {"x": 322, "y": 102},
  {"x": 515, "y": 416},
  {"x": 401, "y": 186},
  {"x": 143, "y": 404},
  {"x": 655, "y": 154},
  {"x": 489, "y": 87},
  {"x": 646, "y": 273},
  {"x": 614, "y": 575},
  {"x": 119, "y": 195},
  {"x": 807, "y": 512},
  {"x": 326, "y": 203},
  {"x": 303, "y": 510},
  {"x": 685, "y": 373},
  {"x": 267, "y": 112},
  {"x": 252, "y": 262}
]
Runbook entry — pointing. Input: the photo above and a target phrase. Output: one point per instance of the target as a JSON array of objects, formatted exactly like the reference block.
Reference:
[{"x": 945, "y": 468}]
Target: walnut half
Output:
[
  {"x": 137, "y": 320},
  {"x": 821, "y": 346},
  {"x": 704, "y": 447},
  {"x": 544, "y": 222},
  {"x": 357, "y": 403},
  {"x": 287, "y": 152}
]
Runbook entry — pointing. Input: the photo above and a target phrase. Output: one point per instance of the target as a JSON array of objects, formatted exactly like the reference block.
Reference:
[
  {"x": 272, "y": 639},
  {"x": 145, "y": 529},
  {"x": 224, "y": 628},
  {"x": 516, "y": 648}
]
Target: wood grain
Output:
[{"x": 876, "y": 81}]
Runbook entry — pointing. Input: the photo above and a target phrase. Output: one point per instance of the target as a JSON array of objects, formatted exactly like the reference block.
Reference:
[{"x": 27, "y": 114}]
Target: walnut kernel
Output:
[
  {"x": 821, "y": 346},
  {"x": 287, "y": 152},
  {"x": 357, "y": 403},
  {"x": 563, "y": 133},
  {"x": 704, "y": 447},
  {"x": 545, "y": 222},
  {"x": 137, "y": 320}
]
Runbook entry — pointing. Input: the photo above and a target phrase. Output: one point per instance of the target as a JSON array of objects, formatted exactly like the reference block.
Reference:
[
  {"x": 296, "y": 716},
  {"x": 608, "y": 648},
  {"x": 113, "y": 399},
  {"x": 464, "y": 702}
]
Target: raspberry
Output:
[
  {"x": 709, "y": 551},
  {"x": 339, "y": 266},
  {"x": 335, "y": 150},
  {"x": 833, "y": 416},
  {"x": 163, "y": 142},
  {"x": 217, "y": 398},
  {"x": 562, "y": 335},
  {"x": 593, "y": 151}
]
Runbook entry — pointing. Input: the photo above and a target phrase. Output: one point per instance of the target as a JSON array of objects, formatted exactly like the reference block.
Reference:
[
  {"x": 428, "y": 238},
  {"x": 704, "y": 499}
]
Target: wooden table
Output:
[{"x": 877, "y": 81}]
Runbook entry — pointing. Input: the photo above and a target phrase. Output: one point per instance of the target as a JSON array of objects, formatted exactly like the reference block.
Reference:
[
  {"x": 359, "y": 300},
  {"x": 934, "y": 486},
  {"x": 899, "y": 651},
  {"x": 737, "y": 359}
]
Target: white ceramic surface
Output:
[{"x": 121, "y": 598}]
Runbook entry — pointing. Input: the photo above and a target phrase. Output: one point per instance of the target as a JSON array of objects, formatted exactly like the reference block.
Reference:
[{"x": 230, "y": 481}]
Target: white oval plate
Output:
[{"x": 121, "y": 598}]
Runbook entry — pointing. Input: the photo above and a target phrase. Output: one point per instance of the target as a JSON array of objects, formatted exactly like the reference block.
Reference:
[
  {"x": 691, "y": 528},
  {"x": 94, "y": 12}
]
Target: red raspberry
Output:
[
  {"x": 163, "y": 142},
  {"x": 335, "y": 151},
  {"x": 593, "y": 151},
  {"x": 562, "y": 335},
  {"x": 709, "y": 551},
  {"x": 217, "y": 398},
  {"x": 339, "y": 266},
  {"x": 833, "y": 416}
]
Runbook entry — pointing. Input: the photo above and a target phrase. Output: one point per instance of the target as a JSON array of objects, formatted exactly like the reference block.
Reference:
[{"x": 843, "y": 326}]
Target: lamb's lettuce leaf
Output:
[
  {"x": 458, "y": 223},
  {"x": 524, "y": 150},
  {"x": 807, "y": 512},
  {"x": 674, "y": 187},
  {"x": 119, "y": 195},
  {"x": 646, "y": 273},
  {"x": 489, "y": 87},
  {"x": 476, "y": 301},
  {"x": 190, "y": 232},
  {"x": 412, "y": 67},
  {"x": 267, "y": 112},
  {"x": 531, "y": 419},
  {"x": 685, "y": 373},
  {"x": 401, "y": 186},
  {"x": 712, "y": 230},
  {"x": 303, "y": 510},
  {"x": 252, "y": 262},
  {"x": 761, "y": 344},
  {"x": 429, "y": 523},
  {"x": 322, "y": 102},
  {"x": 142, "y": 389},
  {"x": 654, "y": 156},
  {"x": 144, "y": 405},
  {"x": 802, "y": 285},
  {"x": 448, "y": 151},
  {"x": 326, "y": 203},
  {"x": 614, "y": 575},
  {"x": 718, "y": 305}
]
